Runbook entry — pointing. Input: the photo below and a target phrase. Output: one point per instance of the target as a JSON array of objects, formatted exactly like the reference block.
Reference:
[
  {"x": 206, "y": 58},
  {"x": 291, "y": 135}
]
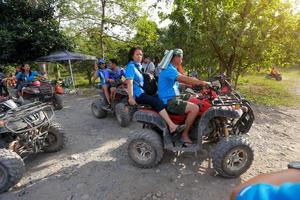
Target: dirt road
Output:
[{"x": 94, "y": 165}]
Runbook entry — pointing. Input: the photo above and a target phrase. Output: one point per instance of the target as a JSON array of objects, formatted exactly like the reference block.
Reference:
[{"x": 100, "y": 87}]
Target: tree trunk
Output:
[{"x": 103, "y": 4}]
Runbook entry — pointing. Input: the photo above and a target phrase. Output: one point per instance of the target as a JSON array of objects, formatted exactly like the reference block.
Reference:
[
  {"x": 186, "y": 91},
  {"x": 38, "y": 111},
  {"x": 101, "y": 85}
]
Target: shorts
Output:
[{"x": 177, "y": 105}]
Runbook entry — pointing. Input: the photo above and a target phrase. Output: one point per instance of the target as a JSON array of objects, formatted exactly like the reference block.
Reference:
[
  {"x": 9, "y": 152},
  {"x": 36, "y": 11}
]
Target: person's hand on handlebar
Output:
[{"x": 131, "y": 101}]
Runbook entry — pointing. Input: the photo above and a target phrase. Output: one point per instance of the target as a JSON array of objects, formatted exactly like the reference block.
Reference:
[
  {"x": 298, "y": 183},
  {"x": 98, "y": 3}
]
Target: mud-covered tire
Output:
[
  {"x": 55, "y": 140},
  {"x": 152, "y": 153},
  {"x": 11, "y": 169},
  {"x": 123, "y": 114},
  {"x": 97, "y": 110},
  {"x": 232, "y": 156},
  {"x": 278, "y": 78},
  {"x": 58, "y": 103}
]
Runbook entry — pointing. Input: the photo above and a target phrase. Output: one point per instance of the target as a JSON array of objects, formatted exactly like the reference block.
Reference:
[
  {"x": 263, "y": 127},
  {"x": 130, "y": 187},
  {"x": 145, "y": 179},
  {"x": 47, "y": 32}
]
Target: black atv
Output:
[
  {"x": 119, "y": 106},
  {"x": 25, "y": 130}
]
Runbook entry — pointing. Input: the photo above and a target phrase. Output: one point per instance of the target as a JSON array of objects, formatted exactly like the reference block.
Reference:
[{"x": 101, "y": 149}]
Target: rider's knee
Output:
[{"x": 192, "y": 108}]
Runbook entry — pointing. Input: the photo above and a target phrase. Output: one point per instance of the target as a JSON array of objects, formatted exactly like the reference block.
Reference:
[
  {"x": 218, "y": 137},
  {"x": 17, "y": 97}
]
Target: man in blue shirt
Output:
[
  {"x": 168, "y": 92},
  {"x": 282, "y": 185}
]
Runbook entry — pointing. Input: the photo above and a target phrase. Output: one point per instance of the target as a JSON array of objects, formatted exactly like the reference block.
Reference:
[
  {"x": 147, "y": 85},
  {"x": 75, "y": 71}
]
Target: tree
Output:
[
  {"x": 105, "y": 15},
  {"x": 235, "y": 36},
  {"x": 28, "y": 30}
]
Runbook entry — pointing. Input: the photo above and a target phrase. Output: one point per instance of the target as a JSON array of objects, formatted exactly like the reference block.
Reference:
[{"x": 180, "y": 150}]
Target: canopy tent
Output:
[{"x": 66, "y": 56}]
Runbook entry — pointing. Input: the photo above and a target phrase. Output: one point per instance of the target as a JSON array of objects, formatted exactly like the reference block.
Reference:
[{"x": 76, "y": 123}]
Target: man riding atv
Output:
[
  {"x": 274, "y": 73},
  {"x": 176, "y": 103}
]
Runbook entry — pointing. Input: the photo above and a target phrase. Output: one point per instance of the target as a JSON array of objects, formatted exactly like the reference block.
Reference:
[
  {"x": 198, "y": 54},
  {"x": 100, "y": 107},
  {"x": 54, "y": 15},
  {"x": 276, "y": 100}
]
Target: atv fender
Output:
[
  {"x": 150, "y": 117},
  {"x": 215, "y": 112}
]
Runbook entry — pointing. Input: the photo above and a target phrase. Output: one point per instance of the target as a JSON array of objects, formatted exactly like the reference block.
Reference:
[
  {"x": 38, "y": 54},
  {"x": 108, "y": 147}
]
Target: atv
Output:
[
  {"x": 223, "y": 121},
  {"x": 43, "y": 91},
  {"x": 25, "y": 130},
  {"x": 119, "y": 106},
  {"x": 277, "y": 77}
]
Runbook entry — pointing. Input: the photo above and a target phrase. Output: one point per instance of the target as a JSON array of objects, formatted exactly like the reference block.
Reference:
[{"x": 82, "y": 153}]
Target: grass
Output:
[{"x": 260, "y": 90}]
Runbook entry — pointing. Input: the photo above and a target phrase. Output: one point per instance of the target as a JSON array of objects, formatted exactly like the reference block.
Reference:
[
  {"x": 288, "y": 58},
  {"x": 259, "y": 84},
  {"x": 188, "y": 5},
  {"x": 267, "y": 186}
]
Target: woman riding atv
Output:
[
  {"x": 135, "y": 79},
  {"x": 26, "y": 75}
]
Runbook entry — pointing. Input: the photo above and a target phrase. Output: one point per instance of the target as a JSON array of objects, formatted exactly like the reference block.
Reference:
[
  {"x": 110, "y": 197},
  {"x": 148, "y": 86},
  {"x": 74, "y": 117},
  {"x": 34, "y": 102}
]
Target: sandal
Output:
[
  {"x": 188, "y": 144},
  {"x": 177, "y": 133}
]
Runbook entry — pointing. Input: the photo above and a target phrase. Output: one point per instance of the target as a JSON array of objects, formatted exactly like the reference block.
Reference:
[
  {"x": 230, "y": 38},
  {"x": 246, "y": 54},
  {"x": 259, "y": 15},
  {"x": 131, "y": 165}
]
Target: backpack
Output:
[{"x": 150, "y": 84}]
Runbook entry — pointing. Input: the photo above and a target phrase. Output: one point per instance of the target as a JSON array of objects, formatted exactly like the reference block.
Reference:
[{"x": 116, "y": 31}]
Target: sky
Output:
[{"x": 163, "y": 7}]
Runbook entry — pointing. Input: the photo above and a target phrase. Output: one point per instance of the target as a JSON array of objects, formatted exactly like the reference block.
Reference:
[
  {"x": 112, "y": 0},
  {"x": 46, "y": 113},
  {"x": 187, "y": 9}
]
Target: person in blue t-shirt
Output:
[
  {"x": 103, "y": 74},
  {"x": 168, "y": 92},
  {"x": 282, "y": 185},
  {"x": 25, "y": 76},
  {"x": 136, "y": 94},
  {"x": 115, "y": 75}
]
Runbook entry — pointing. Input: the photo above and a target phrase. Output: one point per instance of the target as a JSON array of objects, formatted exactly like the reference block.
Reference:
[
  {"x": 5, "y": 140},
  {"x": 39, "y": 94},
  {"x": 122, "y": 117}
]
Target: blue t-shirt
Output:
[
  {"x": 132, "y": 73},
  {"x": 26, "y": 77},
  {"x": 116, "y": 74},
  {"x": 103, "y": 74},
  {"x": 287, "y": 191},
  {"x": 168, "y": 86}
]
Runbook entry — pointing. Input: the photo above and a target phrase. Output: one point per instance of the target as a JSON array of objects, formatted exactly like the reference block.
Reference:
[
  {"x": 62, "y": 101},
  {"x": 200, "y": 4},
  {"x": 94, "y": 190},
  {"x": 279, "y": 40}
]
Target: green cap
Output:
[{"x": 177, "y": 52}]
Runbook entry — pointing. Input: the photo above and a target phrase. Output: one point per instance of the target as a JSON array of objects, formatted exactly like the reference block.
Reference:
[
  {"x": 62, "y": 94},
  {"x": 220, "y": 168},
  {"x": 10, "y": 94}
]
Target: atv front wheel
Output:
[
  {"x": 11, "y": 169},
  {"x": 145, "y": 148},
  {"x": 97, "y": 110},
  {"x": 232, "y": 156},
  {"x": 55, "y": 140},
  {"x": 122, "y": 114},
  {"x": 58, "y": 102}
]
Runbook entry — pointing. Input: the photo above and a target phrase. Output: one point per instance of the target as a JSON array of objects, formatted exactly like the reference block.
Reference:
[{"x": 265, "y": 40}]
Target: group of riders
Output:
[
  {"x": 23, "y": 75},
  {"x": 168, "y": 99}
]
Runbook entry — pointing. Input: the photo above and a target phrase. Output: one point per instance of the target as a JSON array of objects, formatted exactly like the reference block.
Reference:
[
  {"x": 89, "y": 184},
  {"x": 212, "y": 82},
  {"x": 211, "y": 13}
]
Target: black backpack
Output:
[{"x": 150, "y": 84}]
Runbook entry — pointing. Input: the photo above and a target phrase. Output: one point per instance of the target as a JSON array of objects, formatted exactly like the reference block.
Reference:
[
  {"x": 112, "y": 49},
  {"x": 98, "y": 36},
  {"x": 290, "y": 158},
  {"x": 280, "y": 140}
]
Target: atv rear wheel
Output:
[
  {"x": 232, "y": 156},
  {"x": 55, "y": 140},
  {"x": 145, "y": 148},
  {"x": 11, "y": 169},
  {"x": 58, "y": 102},
  {"x": 122, "y": 114},
  {"x": 97, "y": 110}
]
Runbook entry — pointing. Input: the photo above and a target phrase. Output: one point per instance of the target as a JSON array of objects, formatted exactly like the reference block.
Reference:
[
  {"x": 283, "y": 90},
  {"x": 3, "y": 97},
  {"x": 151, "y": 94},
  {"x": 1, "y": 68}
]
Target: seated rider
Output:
[
  {"x": 115, "y": 76},
  {"x": 136, "y": 94},
  {"x": 168, "y": 92},
  {"x": 274, "y": 72},
  {"x": 103, "y": 74},
  {"x": 25, "y": 76}
]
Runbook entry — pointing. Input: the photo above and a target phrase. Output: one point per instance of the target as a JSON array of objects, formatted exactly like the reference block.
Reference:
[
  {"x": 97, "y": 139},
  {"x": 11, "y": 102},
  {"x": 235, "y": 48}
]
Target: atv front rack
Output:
[{"x": 31, "y": 116}]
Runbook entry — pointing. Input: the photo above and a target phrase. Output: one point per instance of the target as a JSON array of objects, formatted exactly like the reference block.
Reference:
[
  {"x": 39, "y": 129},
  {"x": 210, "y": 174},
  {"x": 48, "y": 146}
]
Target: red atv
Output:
[
  {"x": 119, "y": 105},
  {"x": 43, "y": 91},
  {"x": 223, "y": 120}
]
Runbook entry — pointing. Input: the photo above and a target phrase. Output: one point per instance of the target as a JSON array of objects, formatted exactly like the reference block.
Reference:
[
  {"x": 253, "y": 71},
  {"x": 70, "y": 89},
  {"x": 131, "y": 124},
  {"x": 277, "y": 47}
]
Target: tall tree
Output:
[
  {"x": 28, "y": 30},
  {"x": 235, "y": 35},
  {"x": 115, "y": 19}
]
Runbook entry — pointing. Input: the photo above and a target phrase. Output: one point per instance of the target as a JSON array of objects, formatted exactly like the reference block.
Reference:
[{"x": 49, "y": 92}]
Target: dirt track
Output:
[{"x": 94, "y": 165}]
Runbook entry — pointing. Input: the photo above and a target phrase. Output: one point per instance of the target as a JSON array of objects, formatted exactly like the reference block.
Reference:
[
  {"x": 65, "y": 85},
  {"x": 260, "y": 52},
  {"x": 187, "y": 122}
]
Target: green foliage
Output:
[
  {"x": 28, "y": 31},
  {"x": 235, "y": 36}
]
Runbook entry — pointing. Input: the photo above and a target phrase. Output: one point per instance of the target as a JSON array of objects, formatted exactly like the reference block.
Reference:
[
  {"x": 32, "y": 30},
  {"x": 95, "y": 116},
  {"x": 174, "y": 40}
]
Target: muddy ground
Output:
[{"x": 94, "y": 164}]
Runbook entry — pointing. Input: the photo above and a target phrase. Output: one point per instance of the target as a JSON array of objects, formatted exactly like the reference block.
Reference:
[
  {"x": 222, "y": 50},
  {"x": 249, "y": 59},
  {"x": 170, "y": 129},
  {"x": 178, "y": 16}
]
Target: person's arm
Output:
[
  {"x": 32, "y": 76},
  {"x": 129, "y": 74},
  {"x": 18, "y": 76},
  {"x": 95, "y": 74},
  {"x": 275, "y": 178},
  {"x": 190, "y": 81}
]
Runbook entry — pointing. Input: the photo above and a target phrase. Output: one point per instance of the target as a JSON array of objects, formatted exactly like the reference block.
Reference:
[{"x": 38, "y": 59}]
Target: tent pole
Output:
[{"x": 72, "y": 74}]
